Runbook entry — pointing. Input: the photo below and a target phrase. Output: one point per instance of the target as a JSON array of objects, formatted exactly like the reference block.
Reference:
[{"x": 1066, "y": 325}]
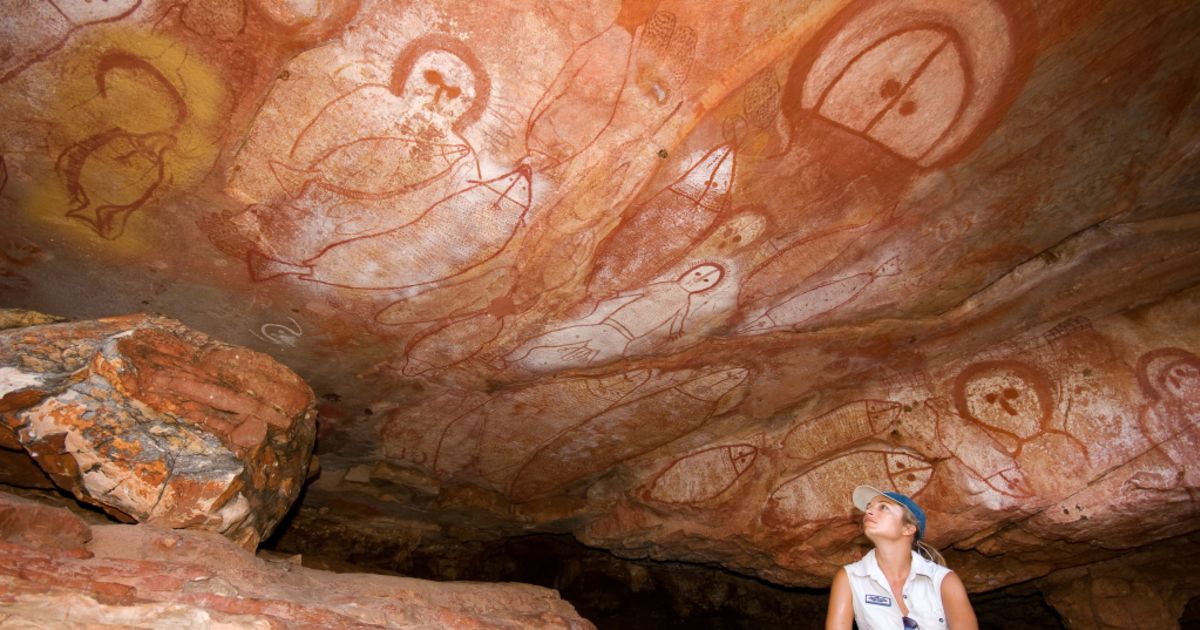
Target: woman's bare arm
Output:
[
  {"x": 841, "y": 609},
  {"x": 959, "y": 614}
]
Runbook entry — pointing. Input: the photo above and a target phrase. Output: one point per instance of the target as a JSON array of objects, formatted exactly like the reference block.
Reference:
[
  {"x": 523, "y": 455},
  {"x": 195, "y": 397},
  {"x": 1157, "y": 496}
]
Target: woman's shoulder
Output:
[{"x": 925, "y": 566}]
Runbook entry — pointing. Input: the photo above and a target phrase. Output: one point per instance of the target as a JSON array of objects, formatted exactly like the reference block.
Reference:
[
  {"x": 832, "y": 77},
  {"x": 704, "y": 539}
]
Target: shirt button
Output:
[{"x": 906, "y": 597}]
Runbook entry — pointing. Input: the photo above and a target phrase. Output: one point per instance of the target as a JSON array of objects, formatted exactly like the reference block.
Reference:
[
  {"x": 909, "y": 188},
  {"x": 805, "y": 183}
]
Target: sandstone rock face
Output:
[
  {"x": 1080, "y": 434},
  {"x": 1144, "y": 590},
  {"x": 669, "y": 275},
  {"x": 157, "y": 423},
  {"x": 142, "y": 576}
]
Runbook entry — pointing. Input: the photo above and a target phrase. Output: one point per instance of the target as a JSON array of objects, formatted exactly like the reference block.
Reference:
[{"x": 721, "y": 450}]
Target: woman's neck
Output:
[{"x": 894, "y": 557}]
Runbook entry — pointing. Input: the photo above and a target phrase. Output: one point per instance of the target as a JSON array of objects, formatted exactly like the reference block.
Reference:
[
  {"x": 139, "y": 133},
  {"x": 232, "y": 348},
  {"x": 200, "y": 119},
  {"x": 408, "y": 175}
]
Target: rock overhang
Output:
[{"x": 677, "y": 284}]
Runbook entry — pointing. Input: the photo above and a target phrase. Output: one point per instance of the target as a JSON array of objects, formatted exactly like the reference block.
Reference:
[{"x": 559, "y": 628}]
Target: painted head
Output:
[
  {"x": 889, "y": 513},
  {"x": 701, "y": 277},
  {"x": 1170, "y": 374},
  {"x": 442, "y": 74}
]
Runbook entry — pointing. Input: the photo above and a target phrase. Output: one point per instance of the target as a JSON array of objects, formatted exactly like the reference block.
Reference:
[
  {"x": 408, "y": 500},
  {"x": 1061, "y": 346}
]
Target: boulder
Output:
[
  {"x": 145, "y": 576},
  {"x": 157, "y": 423}
]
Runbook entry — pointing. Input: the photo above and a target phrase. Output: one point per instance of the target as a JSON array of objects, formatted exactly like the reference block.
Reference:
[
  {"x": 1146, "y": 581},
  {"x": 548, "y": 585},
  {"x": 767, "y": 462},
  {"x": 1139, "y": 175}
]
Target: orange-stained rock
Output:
[
  {"x": 671, "y": 275},
  {"x": 31, "y": 524},
  {"x": 1068, "y": 445},
  {"x": 157, "y": 423},
  {"x": 143, "y": 576}
]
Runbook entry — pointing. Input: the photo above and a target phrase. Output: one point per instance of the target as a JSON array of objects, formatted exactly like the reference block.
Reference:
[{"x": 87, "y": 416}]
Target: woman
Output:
[{"x": 902, "y": 582}]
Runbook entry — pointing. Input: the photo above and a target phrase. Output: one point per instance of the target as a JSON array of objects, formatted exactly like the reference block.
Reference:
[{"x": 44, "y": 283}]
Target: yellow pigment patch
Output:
[{"x": 136, "y": 118}]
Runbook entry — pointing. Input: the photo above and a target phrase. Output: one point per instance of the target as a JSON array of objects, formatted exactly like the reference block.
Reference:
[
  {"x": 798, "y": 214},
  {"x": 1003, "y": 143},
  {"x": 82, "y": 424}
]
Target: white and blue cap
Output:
[{"x": 863, "y": 495}]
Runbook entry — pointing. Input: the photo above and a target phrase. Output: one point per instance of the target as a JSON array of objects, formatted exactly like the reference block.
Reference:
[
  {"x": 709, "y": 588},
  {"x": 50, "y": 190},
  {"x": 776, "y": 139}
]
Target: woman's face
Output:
[{"x": 884, "y": 519}]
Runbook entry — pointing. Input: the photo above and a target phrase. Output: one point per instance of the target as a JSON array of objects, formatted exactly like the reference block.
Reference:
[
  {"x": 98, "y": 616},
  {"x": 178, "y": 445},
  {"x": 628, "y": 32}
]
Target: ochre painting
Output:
[{"x": 662, "y": 270}]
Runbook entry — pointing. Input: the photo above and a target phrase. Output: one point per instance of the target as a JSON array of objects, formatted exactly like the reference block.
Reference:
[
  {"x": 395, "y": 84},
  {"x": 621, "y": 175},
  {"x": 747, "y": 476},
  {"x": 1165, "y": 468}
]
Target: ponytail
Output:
[{"x": 928, "y": 552}]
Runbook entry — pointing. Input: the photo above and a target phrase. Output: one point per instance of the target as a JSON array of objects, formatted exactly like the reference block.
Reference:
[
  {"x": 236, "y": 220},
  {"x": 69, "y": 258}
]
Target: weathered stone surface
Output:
[
  {"x": 142, "y": 576},
  {"x": 1148, "y": 589},
  {"x": 30, "y": 524},
  {"x": 158, "y": 423},
  {"x": 19, "y": 318},
  {"x": 773, "y": 503},
  {"x": 1043, "y": 449},
  {"x": 666, "y": 274}
]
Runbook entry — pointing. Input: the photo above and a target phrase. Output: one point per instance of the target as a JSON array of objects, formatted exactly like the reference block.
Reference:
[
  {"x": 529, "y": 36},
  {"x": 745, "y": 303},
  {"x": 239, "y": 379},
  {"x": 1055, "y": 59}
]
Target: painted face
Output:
[
  {"x": 739, "y": 232},
  {"x": 1181, "y": 379},
  {"x": 1004, "y": 395},
  {"x": 442, "y": 83},
  {"x": 701, "y": 277},
  {"x": 1170, "y": 375}
]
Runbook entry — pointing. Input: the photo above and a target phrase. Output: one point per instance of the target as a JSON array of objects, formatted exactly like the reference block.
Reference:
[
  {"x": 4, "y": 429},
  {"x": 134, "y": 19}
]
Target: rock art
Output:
[
  {"x": 1170, "y": 380},
  {"x": 586, "y": 96},
  {"x": 494, "y": 438},
  {"x": 644, "y": 318},
  {"x": 813, "y": 496},
  {"x": 702, "y": 476},
  {"x": 453, "y": 236},
  {"x": 816, "y": 302},
  {"x": 620, "y": 433},
  {"x": 41, "y": 27},
  {"x": 635, "y": 253},
  {"x": 667, "y": 276},
  {"x": 932, "y": 74},
  {"x": 847, "y": 424}
]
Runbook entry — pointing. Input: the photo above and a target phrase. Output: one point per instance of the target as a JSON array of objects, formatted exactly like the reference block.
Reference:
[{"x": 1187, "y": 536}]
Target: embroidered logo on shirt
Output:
[{"x": 879, "y": 600}]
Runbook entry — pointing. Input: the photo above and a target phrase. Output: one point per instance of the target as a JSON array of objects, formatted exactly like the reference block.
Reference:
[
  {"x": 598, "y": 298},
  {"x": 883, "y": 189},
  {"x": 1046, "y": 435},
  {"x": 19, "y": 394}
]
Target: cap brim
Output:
[{"x": 862, "y": 496}]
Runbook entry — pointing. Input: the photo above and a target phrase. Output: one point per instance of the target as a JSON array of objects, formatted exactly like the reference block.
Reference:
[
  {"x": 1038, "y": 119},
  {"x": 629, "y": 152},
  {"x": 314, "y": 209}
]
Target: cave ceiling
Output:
[{"x": 671, "y": 276}]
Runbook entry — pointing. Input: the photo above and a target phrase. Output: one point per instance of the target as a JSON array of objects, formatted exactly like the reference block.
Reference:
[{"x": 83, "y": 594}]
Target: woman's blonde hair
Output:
[{"x": 919, "y": 546}]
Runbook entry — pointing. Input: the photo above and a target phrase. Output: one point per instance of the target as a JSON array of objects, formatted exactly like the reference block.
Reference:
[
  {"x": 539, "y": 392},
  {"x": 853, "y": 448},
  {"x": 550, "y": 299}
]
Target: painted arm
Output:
[
  {"x": 675, "y": 331},
  {"x": 959, "y": 614},
  {"x": 841, "y": 609}
]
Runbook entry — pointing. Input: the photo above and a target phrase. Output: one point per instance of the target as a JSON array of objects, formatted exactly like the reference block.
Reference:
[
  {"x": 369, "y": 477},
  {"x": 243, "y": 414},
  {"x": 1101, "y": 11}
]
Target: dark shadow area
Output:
[
  {"x": 1190, "y": 620},
  {"x": 618, "y": 593},
  {"x": 1016, "y": 607},
  {"x": 56, "y": 497}
]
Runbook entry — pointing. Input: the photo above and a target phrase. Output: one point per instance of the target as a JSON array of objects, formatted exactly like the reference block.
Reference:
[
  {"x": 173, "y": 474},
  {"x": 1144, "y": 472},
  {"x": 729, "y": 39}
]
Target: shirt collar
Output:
[{"x": 869, "y": 567}]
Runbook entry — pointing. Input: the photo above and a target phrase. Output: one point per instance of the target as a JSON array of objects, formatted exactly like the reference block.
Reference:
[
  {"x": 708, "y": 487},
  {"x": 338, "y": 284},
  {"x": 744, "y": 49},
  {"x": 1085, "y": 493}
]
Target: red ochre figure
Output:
[
  {"x": 453, "y": 236},
  {"x": 1170, "y": 379},
  {"x": 813, "y": 496},
  {"x": 111, "y": 174},
  {"x": 637, "y": 317},
  {"x": 703, "y": 475},
  {"x": 36, "y": 29},
  {"x": 623, "y": 431},
  {"x": 584, "y": 98},
  {"x": 378, "y": 141},
  {"x": 817, "y": 301},
  {"x": 656, "y": 233}
]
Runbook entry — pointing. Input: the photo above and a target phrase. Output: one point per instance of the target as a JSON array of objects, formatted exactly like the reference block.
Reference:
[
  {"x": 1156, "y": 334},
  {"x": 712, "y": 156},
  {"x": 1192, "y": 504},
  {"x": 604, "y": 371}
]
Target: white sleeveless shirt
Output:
[{"x": 875, "y": 607}]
